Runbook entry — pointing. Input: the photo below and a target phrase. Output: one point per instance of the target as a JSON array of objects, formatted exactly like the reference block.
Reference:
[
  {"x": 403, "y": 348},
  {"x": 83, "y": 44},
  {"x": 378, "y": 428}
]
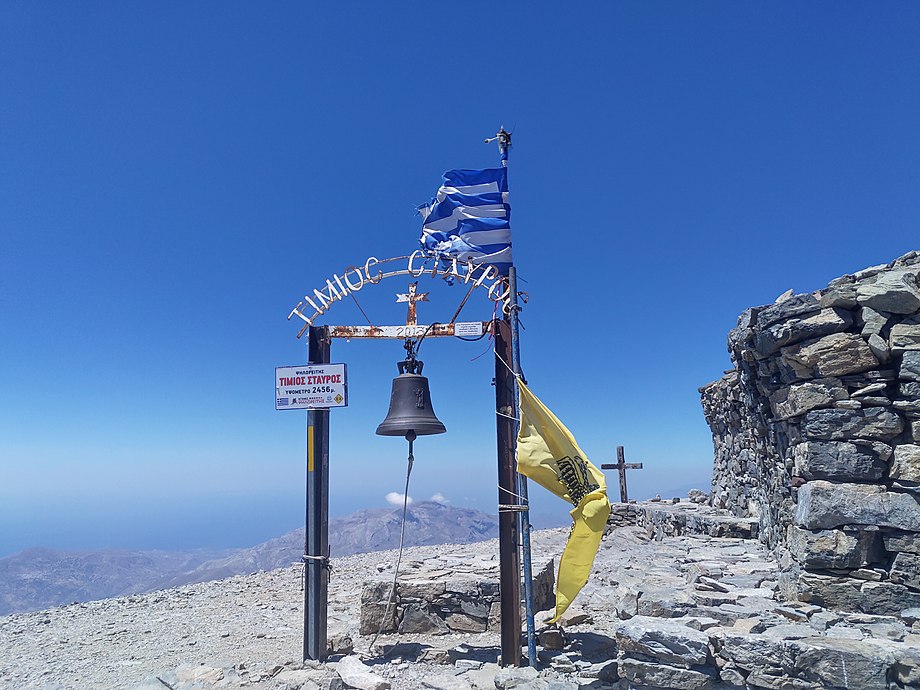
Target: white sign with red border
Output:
[{"x": 311, "y": 386}]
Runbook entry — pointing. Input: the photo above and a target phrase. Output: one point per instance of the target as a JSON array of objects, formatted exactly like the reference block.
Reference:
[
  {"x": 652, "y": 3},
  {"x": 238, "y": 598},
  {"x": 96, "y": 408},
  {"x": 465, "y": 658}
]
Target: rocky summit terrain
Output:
[{"x": 664, "y": 608}]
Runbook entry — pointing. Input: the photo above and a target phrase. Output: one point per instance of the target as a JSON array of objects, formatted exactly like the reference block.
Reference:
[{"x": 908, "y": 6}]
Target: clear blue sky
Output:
[{"x": 173, "y": 176}]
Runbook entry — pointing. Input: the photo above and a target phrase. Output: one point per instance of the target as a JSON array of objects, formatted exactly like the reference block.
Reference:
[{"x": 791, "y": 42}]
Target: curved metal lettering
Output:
[{"x": 416, "y": 264}]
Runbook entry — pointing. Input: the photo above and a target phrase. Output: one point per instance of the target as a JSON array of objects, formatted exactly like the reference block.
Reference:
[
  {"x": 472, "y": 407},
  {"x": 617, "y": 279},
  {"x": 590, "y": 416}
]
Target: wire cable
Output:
[{"x": 410, "y": 436}]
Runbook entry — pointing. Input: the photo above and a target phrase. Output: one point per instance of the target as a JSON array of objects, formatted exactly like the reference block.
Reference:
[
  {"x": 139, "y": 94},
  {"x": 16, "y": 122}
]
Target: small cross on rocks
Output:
[{"x": 622, "y": 466}]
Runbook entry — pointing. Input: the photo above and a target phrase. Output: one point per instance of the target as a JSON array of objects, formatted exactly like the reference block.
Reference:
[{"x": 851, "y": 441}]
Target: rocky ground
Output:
[{"x": 685, "y": 611}]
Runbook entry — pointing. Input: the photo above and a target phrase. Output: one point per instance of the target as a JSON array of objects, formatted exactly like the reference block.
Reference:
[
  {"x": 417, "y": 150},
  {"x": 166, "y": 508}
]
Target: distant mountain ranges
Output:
[{"x": 40, "y": 578}]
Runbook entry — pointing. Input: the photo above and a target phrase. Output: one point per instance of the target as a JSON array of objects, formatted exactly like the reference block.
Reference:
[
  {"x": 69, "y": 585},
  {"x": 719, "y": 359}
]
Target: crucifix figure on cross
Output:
[
  {"x": 622, "y": 466},
  {"x": 412, "y": 297}
]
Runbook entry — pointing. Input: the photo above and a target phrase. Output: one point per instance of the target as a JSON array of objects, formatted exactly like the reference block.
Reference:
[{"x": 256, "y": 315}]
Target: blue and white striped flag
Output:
[{"x": 470, "y": 218}]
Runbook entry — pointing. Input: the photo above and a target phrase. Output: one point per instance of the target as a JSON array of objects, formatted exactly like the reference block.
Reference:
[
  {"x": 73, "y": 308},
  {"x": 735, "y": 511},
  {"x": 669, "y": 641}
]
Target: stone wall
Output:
[
  {"x": 442, "y": 601},
  {"x": 816, "y": 433}
]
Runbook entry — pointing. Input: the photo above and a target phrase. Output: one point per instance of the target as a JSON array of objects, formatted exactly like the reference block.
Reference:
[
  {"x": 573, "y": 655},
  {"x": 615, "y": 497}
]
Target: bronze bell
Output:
[{"x": 410, "y": 404}]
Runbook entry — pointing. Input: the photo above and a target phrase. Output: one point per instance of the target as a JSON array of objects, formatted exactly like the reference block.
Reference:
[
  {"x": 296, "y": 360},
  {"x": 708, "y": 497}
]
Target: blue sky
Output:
[{"x": 174, "y": 176}]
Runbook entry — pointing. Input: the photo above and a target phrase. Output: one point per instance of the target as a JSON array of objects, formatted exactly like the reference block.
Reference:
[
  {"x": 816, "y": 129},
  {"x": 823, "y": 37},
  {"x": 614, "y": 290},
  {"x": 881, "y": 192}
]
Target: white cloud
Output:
[
  {"x": 439, "y": 498},
  {"x": 395, "y": 499}
]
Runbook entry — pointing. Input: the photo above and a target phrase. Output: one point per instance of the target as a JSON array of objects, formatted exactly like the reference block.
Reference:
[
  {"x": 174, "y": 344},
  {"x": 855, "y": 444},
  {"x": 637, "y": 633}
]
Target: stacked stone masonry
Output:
[
  {"x": 439, "y": 602},
  {"x": 816, "y": 433}
]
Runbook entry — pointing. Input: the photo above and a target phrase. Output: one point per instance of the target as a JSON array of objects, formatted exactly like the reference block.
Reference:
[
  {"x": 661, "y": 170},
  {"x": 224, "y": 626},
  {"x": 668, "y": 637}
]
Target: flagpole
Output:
[{"x": 504, "y": 144}]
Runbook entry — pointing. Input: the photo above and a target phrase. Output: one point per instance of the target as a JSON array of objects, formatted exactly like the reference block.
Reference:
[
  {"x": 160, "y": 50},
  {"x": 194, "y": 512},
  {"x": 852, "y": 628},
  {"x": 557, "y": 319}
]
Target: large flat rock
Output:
[{"x": 823, "y": 505}]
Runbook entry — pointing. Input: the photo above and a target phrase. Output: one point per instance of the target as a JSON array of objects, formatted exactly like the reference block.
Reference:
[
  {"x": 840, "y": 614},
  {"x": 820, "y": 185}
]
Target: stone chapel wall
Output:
[{"x": 816, "y": 433}]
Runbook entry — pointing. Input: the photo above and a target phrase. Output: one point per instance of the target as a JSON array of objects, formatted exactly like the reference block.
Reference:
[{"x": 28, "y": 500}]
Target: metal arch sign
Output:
[{"x": 416, "y": 265}]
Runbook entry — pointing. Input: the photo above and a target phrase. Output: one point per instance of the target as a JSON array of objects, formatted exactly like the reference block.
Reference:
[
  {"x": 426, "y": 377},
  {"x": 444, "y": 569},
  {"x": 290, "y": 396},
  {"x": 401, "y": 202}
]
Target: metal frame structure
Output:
[
  {"x": 316, "y": 542},
  {"x": 514, "y": 521}
]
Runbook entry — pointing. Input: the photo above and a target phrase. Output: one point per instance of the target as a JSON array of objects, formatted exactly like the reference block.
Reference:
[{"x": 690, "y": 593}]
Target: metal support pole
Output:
[
  {"x": 503, "y": 138},
  {"x": 522, "y": 480},
  {"x": 316, "y": 540},
  {"x": 508, "y": 524}
]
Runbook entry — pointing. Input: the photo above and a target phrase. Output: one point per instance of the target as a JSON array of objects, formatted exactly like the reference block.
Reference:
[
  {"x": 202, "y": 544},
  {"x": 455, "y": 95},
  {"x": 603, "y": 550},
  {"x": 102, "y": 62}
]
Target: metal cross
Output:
[
  {"x": 622, "y": 466},
  {"x": 412, "y": 297}
]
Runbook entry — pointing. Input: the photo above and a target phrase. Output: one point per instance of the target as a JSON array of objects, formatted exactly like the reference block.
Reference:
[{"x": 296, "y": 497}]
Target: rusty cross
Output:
[
  {"x": 622, "y": 466},
  {"x": 412, "y": 297}
]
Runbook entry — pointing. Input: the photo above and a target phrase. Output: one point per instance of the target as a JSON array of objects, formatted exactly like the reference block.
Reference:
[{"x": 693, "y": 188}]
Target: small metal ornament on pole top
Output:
[{"x": 503, "y": 138}]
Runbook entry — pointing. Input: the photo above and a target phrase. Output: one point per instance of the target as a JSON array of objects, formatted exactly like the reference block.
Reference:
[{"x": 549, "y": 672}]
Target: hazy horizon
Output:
[{"x": 184, "y": 527}]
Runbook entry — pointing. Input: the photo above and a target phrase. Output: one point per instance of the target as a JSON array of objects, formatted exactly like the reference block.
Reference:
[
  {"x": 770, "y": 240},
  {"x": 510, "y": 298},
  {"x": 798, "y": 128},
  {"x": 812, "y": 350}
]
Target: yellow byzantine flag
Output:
[{"x": 548, "y": 453}]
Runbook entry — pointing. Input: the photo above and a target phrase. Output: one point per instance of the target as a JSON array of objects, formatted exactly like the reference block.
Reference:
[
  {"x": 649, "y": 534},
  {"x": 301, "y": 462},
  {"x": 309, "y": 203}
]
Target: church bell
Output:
[{"x": 410, "y": 404}]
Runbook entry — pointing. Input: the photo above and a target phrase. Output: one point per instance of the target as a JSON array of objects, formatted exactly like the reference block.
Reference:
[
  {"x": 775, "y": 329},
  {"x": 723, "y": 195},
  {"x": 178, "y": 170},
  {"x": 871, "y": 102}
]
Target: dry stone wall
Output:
[
  {"x": 816, "y": 433},
  {"x": 443, "y": 601}
]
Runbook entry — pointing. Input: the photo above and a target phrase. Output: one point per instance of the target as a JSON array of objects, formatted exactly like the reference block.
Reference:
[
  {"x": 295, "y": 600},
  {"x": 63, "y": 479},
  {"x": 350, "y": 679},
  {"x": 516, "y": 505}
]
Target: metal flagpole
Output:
[
  {"x": 504, "y": 143},
  {"x": 316, "y": 538}
]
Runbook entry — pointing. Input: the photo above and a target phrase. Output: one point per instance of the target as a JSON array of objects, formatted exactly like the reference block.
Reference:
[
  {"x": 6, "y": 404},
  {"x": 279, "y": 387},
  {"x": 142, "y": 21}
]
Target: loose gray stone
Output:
[
  {"x": 831, "y": 548},
  {"x": 340, "y": 643},
  {"x": 843, "y": 663},
  {"x": 849, "y": 594},
  {"x": 423, "y": 590},
  {"x": 789, "y": 631},
  {"x": 483, "y": 678},
  {"x": 903, "y": 541},
  {"x": 840, "y": 425},
  {"x": 356, "y": 675},
  {"x": 906, "y": 464},
  {"x": 373, "y": 608},
  {"x": 446, "y": 682},
  {"x": 873, "y": 321},
  {"x": 907, "y": 668},
  {"x": 199, "y": 674},
  {"x": 463, "y": 623},
  {"x": 563, "y": 664},
  {"x": 837, "y": 460},
  {"x": 879, "y": 347},
  {"x": 770, "y": 339},
  {"x": 891, "y": 291},
  {"x": 149, "y": 683},
  {"x": 905, "y": 570},
  {"x": 903, "y": 337},
  {"x": 797, "y": 306},
  {"x": 910, "y": 366},
  {"x": 791, "y": 613},
  {"x": 625, "y": 601},
  {"x": 468, "y": 588},
  {"x": 843, "y": 631},
  {"x": 574, "y": 615},
  {"x": 664, "y": 640},
  {"x": 833, "y": 355},
  {"x": 823, "y": 505},
  {"x": 842, "y": 295},
  {"x": 648, "y": 674},
  {"x": 800, "y": 398},
  {"x": 870, "y": 389},
  {"x": 509, "y": 678},
  {"x": 418, "y": 620},
  {"x": 731, "y": 675},
  {"x": 754, "y": 651},
  {"x": 664, "y": 602},
  {"x": 298, "y": 679},
  {"x": 552, "y": 638}
]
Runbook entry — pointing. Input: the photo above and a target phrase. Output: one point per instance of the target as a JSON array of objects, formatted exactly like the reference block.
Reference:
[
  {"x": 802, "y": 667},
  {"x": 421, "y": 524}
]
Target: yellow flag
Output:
[{"x": 548, "y": 454}]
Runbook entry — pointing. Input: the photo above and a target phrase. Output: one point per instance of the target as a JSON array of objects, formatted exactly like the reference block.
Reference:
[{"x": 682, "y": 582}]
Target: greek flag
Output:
[{"x": 470, "y": 218}]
